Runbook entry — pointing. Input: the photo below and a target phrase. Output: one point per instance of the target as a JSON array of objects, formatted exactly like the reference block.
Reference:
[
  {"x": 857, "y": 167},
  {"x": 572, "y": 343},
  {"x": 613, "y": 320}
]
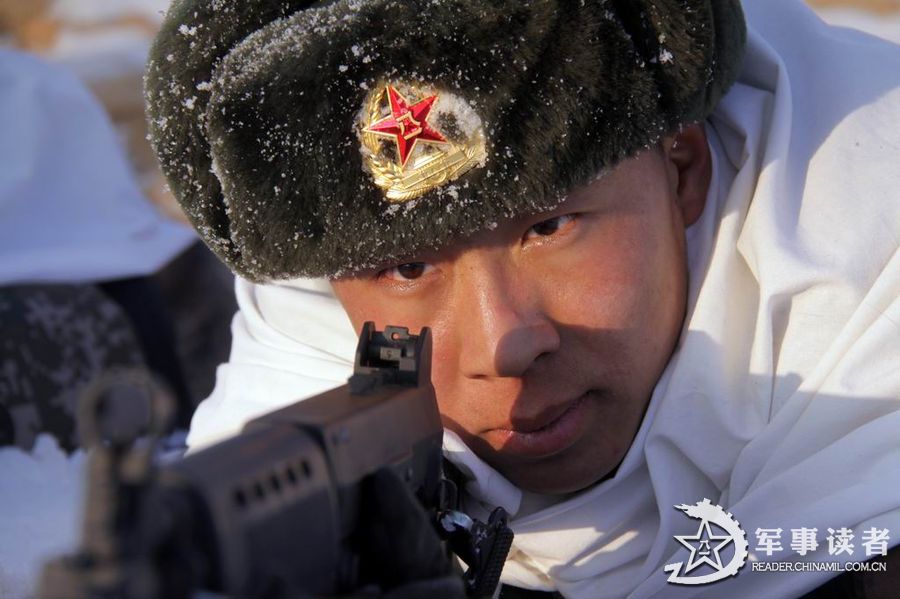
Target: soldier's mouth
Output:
[{"x": 546, "y": 435}]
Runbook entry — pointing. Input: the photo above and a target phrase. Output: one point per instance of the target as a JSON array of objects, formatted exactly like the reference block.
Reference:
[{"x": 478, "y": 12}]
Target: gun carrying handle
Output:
[
  {"x": 96, "y": 424},
  {"x": 110, "y": 561}
]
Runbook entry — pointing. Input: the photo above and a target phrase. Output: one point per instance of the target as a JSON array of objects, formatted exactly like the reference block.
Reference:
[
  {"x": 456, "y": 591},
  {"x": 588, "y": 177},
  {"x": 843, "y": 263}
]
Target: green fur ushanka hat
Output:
[{"x": 320, "y": 138}]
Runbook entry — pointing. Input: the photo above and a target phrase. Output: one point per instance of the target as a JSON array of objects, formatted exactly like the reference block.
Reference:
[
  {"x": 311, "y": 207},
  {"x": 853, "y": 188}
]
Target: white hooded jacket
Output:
[{"x": 782, "y": 401}]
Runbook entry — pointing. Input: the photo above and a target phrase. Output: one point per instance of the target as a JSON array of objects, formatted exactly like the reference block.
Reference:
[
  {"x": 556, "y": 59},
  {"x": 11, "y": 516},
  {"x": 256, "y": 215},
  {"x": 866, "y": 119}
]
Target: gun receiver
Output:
[{"x": 272, "y": 511}]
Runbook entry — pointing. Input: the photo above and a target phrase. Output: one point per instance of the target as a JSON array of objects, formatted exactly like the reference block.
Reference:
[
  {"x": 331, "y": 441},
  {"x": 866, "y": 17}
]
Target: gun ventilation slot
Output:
[{"x": 259, "y": 490}]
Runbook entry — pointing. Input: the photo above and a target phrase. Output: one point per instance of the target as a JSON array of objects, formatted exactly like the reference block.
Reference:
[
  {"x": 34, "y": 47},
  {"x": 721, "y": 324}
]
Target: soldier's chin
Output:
[{"x": 552, "y": 480}]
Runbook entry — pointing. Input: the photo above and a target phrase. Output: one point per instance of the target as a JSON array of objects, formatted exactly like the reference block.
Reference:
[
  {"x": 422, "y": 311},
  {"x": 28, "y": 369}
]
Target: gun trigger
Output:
[
  {"x": 493, "y": 549},
  {"x": 483, "y": 547}
]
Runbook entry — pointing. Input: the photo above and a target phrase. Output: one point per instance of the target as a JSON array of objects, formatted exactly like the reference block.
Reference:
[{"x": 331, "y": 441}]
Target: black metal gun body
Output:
[
  {"x": 294, "y": 475},
  {"x": 272, "y": 512}
]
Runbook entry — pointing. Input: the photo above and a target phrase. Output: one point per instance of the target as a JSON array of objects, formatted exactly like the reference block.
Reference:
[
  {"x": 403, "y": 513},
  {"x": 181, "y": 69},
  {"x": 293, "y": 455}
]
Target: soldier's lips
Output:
[{"x": 546, "y": 435}]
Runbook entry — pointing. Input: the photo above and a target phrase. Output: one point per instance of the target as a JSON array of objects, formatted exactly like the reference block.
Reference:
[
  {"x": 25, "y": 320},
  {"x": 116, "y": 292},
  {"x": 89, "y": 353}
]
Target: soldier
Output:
[
  {"x": 79, "y": 245},
  {"x": 657, "y": 250}
]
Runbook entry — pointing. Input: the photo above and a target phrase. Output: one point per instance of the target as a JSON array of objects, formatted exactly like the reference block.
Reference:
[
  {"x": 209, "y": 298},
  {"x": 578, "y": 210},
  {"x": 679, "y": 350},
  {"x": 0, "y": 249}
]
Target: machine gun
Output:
[{"x": 272, "y": 512}]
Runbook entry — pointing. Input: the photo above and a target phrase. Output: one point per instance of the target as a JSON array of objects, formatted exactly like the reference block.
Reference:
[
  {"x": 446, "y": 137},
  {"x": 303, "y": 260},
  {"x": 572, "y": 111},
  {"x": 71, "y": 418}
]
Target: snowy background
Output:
[{"x": 105, "y": 42}]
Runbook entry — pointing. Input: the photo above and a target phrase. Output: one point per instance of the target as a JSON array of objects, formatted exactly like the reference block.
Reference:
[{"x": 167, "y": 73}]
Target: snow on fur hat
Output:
[{"x": 320, "y": 138}]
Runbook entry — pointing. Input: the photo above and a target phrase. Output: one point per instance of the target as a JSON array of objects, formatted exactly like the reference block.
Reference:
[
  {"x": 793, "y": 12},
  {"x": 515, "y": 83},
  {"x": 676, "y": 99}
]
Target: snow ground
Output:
[
  {"x": 91, "y": 11},
  {"x": 885, "y": 26},
  {"x": 41, "y": 499},
  {"x": 110, "y": 52}
]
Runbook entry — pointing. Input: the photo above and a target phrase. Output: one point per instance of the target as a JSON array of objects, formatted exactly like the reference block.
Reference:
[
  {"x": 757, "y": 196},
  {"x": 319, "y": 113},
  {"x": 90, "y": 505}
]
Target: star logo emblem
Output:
[
  {"x": 407, "y": 124},
  {"x": 702, "y": 549},
  {"x": 705, "y": 547},
  {"x": 400, "y": 166}
]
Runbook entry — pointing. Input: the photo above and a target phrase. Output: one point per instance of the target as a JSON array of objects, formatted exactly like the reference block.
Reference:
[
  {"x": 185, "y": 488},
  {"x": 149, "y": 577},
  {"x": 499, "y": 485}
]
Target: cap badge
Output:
[{"x": 413, "y": 146}]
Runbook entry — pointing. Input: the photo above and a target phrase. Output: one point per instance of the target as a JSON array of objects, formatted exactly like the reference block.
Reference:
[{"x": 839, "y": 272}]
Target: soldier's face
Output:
[{"x": 551, "y": 331}]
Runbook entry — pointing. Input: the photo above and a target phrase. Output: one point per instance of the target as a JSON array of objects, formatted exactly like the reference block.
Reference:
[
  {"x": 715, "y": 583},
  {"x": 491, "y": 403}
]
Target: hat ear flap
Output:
[
  {"x": 194, "y": 37},
  {"x": 693, "y": 47},
  {"x": 730, "y": 38}
]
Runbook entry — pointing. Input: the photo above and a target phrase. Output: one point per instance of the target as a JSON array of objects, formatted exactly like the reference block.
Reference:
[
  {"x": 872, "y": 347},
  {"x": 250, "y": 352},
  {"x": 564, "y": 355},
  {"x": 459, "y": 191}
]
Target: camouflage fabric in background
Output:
[
  {"x": 198, "y": 291},
  {"x": 54, "y": 339}
]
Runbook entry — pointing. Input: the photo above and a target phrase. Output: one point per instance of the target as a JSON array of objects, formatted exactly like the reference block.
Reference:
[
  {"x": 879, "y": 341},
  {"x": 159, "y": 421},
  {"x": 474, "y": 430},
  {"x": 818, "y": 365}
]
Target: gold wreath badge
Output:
[{"x": 412, "y": 147}]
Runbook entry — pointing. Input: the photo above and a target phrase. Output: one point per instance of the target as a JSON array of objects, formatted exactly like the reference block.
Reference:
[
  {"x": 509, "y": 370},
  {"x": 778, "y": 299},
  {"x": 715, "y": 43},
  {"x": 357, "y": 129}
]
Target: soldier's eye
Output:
[
  {"x": 550, "y": 226},
  {"x": 407, "y": 272}
]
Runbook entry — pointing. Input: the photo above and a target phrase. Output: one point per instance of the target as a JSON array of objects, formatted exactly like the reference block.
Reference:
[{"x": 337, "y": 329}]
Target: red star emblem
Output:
[{"x": 407, "y": 124}]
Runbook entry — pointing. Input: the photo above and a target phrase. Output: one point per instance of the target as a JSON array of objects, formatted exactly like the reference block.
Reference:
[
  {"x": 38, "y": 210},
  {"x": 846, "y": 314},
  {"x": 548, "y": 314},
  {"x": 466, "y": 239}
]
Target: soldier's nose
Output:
[{"x": 506, "y": 330}]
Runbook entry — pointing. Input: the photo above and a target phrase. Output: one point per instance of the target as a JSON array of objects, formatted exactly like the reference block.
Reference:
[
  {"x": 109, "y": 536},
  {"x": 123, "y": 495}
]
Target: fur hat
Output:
[{"x": 320, "y": 138}]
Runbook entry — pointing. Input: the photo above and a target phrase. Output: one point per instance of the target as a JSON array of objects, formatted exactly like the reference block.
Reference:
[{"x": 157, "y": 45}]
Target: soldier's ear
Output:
[{"x": 689, "y": 166}]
